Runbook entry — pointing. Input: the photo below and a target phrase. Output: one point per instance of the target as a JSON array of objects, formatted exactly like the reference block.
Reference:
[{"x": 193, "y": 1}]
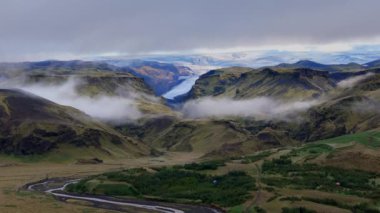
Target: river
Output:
[{"x": 182, "y": 88}]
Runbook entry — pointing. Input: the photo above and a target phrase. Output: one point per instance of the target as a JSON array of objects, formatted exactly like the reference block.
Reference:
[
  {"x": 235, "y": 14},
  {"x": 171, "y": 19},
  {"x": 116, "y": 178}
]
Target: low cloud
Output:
[
  {"x": 115, "y": 109},
  {"x": 367, "y": 106},
  {"x": 350, "y": 82},
  {"x": 261, "y": 108}
]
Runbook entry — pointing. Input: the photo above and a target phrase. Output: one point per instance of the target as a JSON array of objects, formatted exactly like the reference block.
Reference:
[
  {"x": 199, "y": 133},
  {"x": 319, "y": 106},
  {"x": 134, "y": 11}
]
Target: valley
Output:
[
  {"x": 272, "y": 139},
  {"x": 168, "y": 106}
]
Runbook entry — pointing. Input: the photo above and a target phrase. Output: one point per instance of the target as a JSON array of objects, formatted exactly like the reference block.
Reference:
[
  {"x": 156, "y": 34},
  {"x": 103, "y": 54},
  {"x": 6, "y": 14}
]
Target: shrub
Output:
[
  {"x": 297, "y": 210},
  {"x": 226, "y": 190}
]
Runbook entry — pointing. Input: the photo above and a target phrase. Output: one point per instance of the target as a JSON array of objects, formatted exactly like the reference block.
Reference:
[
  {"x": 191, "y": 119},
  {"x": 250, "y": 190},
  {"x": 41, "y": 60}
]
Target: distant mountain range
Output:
[
  {"x": 189, "y": 65},
  {"x": 350, "y": 67},
  {"x": 201, "y": 63},
  {"x": 340, "y": 109},
  {"x": 160, "y": 77},
  {"x": 335, "y": 100}
]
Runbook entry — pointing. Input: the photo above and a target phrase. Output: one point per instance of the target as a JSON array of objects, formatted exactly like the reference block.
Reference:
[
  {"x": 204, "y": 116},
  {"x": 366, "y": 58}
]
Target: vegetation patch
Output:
[
  {"x": 243, "y": 209},
  {"x": 171, "y": 184},
  {"x": 297, "y": 210},
  {"x": 312, "y": 149},
  {"x": 369, "y": 138},
  {"x": 256, "y": 157},
  {"x": 209, "y": 165},
  {"x": 363, "y": 207},
  {"x": 282, "y": 172}
]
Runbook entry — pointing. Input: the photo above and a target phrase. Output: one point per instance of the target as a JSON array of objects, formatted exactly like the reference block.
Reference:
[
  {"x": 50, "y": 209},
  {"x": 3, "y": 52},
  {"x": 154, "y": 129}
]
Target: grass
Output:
[
  {"x": 362, "y": 207},
  {"x": 237, "y": 209},
  {"x": 67, "y": 153},
  {"x": 256, "y": 157},
  {"x": 313, "y": 149},
  {"x": 102, "y": 187},
  {"x": 10, "y": 206},
  {"x": 283, "y": 173},
  {"x": 61, "y": 158},
  {"x": 368, "y": 138}
]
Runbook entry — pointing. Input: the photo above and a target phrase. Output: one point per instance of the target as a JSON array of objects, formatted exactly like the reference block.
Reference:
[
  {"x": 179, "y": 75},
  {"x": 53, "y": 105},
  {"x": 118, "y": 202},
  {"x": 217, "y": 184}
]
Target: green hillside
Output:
[
  {"x": 243, "y": 83},
  {"x": 31, "y": 125}
]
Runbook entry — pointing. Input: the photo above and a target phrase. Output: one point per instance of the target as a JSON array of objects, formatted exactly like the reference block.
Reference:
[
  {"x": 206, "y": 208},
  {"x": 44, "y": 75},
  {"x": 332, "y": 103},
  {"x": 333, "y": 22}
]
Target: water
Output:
[{"x": 182, "y": 88}]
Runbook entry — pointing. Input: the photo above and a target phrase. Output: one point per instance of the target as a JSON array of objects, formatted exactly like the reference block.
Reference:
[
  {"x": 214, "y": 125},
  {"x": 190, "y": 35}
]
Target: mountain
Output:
[
  {"x": 161, "y": 77},
  {"x": 341, "y": 111},
  {"x": 339, "y": 76},
  {"x": 329, "y": 147},
  {"x": 56, "y": 67},
  {"x": 350, "y": 67},
  {"x": 372, "y": 64},
  {"x": 109, "y": 83},
  {"x": 32, "y": 125},
  {"x": 242, "y": 83},
  {"x": 201, "y": 63},
  {"x": 97, "y": 76},
  {"x": 304, "y": 64},
  {"x": 207, "y": 137},
  {"x": 168, "y": 130},
  {"x": 91, "y": 79}
]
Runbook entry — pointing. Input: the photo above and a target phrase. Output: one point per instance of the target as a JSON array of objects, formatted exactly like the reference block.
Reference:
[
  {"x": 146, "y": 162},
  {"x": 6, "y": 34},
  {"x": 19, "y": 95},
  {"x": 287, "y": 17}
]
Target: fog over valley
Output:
[{"x": 201, "y": 106}]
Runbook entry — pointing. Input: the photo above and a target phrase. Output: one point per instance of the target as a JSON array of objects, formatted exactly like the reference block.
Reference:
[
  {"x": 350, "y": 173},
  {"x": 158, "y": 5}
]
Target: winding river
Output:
[{"x": 56, "y": 188}]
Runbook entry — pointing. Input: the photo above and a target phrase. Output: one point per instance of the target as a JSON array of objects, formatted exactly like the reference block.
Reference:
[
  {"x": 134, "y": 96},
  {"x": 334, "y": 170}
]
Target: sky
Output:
[{"x": 56, "y": 29}]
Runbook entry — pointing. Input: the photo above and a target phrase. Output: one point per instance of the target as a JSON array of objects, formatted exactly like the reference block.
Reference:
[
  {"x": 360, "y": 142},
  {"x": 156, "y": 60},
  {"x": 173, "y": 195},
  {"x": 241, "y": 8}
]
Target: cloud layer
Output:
[
  {"x": 115, "y": 109},
  {"x": 261, "y": 108},
  {"x": 350, "y": 82},
  {"x": 43, "y": 29}
]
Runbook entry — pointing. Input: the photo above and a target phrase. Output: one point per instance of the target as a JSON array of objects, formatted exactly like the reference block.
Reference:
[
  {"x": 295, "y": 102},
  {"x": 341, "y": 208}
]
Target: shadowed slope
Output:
[{"x": 33, "y": 125}]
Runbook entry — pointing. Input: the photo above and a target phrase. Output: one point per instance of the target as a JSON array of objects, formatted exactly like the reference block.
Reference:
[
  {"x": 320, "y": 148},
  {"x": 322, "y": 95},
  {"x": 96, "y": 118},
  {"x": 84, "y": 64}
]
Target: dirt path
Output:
[
  {"x": 258, "y": 181},
  {"x": 254, "y": 202}
]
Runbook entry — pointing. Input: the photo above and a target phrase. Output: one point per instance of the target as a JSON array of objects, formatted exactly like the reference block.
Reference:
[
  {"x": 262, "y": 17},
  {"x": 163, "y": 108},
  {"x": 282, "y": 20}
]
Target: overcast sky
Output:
[{"x": 71, "y": 28}]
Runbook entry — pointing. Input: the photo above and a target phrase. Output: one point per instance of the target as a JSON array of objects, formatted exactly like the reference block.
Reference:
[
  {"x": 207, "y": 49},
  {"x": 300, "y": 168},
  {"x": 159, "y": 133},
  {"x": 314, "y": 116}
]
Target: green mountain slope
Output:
[
  {"x": 342, "y": 111},
  {"x": 306, "y": 64},
  {"x": 209, "y": 137},
  {"x": 32, "y": 125},
  {"x": 89, "y": 78},
  {"x": 160, "y": 77},
  {"x": 243, "y": 83}
]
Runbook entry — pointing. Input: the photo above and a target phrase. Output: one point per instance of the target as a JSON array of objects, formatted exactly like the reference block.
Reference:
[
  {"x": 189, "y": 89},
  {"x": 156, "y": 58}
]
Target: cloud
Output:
[
  {"x": 350, "y": 82},
  {"x": 367, "y": 106},
  {"x": 42, "y": 29},
  {"x": 261, "y": 108},
  {"x": 115, "y": 109}
]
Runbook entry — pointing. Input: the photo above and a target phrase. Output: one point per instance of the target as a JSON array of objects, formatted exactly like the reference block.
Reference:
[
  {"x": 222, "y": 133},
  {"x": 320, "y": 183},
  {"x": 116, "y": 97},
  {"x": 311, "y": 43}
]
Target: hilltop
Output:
[
  {"x": 242, "y": 83},
  {"x": 349, "y": 67}
]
